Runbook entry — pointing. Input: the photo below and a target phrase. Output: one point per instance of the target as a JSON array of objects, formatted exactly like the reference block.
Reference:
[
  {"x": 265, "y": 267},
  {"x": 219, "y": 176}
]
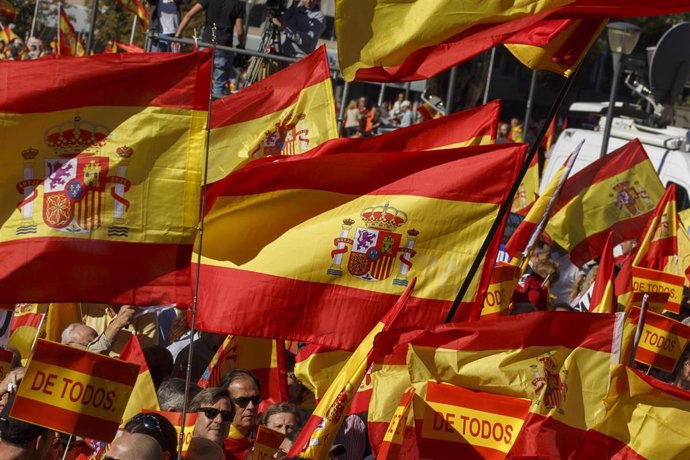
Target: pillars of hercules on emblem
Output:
[
  {"x": 29, "y": 156},
  {"x": 124, "y": 153},
  {"x": 407, "y": 253},
  {"x": 341, "y": 242}
]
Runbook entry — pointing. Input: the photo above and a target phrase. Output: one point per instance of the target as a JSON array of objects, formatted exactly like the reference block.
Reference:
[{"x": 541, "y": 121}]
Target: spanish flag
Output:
[
  {"x": 557, "y": 360},
  {"x": 69, "y": 41},
  {"x": 314, "y": 247},
  {"x": 8, "y": 10},
  {"x": 616, "y": 193},
  {"x": 137, "y": 8},
  {"x": 556, "y": 45},
  {"x": 8, "y": 34},
  {"x": 28, "y": 325},
  {"x": 529, "y": 187},
  {"x": 323, "y": 425},
  {"x": 287, "y": 113},
  {"x": 397, "y": 443},
  {"x": 657, "y": 248},
  {"x": 475, "y": 126},
  {"x": 662, "y": 340},
  {"x": 645, "y": 418},
  {"x": 380, "y": 40},
  {"x": 143, "y": 396},
  {"x": 264, "y": 357},
  {"x": 317, "y": 366},
  {"x": 99, "y": 195},
  {"x": 603, "y": 299},
  {"x": 526, "y": 234}
]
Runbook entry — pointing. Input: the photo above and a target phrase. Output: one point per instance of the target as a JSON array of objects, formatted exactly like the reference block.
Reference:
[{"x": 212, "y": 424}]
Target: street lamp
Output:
[{"x": 622, "y": 40}]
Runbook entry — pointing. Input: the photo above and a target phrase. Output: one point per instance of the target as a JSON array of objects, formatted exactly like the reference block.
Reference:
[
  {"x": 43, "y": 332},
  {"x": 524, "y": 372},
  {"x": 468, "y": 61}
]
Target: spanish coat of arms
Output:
[{"x": 549, "y": 387}]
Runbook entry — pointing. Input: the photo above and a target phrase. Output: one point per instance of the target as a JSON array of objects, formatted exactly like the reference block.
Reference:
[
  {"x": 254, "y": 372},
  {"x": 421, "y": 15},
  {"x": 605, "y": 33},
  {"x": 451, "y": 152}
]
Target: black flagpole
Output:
[{"x": 507, "y": 204}]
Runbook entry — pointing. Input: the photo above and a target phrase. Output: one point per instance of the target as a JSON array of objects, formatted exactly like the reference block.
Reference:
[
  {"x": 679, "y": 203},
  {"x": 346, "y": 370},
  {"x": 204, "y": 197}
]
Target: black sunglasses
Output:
[
  {"x": 243, "y": 401},
  {"x": 212, "y": 412}
]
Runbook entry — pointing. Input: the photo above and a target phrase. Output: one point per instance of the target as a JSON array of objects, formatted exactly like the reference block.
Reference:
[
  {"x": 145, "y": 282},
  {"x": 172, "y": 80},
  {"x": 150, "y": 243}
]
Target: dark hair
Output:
[
  {"x": 523, "y": 307},
  {"x": 156, "y": 426},
  {"x": 171, "y": 393},
  {"x": 282, "y": 408},
  {"x": 210, "y": 396},
  {"x": 237, "y": 374}
]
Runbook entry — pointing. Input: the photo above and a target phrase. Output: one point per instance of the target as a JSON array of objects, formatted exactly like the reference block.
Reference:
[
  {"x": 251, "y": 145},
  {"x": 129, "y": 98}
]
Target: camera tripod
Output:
[{"x": 260, "y": 67}]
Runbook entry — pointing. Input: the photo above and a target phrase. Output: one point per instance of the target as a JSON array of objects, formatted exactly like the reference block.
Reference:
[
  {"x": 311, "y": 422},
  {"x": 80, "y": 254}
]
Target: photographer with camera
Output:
[
  {"x": 226, "y": 15},
  {"x": 301, "y": 27}
]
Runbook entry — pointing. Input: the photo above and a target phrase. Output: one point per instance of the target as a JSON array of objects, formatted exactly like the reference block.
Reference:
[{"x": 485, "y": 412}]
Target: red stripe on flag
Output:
[
  {"x": 327, "y": 301},
  {"x": 85, "y": 425},
  {"x": 655, "y": 359},
  {"x": 272, "y": 94},
  {"x": 79, "y": 270},
  {"x": 385, "y": 174},
  {"x": 161, "y": 79},
  {"x": 448, "y": 394}
]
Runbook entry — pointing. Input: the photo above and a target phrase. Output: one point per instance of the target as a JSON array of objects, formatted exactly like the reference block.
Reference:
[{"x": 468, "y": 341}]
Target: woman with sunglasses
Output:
[{"x": 216, "y": 412}]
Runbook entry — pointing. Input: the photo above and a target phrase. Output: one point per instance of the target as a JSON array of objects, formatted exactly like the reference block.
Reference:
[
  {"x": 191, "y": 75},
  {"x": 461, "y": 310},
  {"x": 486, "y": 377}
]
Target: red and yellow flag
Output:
[
  {"x": 8, "y": 34},
  {"x": 475, "y": 126},
  {"x": 556, "y": 45},
  {"x": 468, "y": 423},
  {"x": 175, "y": 418},
  {"x": 74, "y": 391},
  {"x": 137, "y": 8},
  {"x": 101, "y": 185},
  {"x": 8, "y": 11},
  {"x": 143, "y": 395},
  {"x": 264, "y": 357},
  {"x": 314, "y": 247},
  {"x": 27, "y": 325},
  {"x": 69, "y": 41},
  {"x": 323, "y": 425},
  {"x": 317, "y": 366},
  {"x": 504, "y": 278},
  {"x": 527, "y": 233},
  {"x": 527, "y": 193},
  {"x": 659, "y": 240},
  {"x": 396, "y": 444},
  {"x": 645, "y": 418},
  {"x": 662, "y": 342},
  {"x": 616, "y": 193},
  {"x": 558, "y": 360},
  {"x": 267, "y": 443},
  {"x": 404, "y": 41},
  {"x": 287, "y": 113},
  {"x": 603, "y": 298},
  {"x": 126, "y": 47}
]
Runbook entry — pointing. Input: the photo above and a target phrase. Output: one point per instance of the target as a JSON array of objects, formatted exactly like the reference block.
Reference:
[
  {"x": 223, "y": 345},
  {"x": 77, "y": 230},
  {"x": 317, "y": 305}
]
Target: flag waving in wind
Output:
[
  {"x": 138, "y": 9},
  {"x": 318, "y": 434}
]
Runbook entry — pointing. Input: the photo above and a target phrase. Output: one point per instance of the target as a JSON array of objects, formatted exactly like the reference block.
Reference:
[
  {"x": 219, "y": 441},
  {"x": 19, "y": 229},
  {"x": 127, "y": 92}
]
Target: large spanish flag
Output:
[
  {"x": 615, "y": 194},
  {"x": 315, "y": 247},
  {"x": 323, "y": 425},
  {"x": 558, "y": 360},
  {"x": 287, "y": 113},
  {"x": 99, "y": 195},
  {"x": 380, "y": 40}
]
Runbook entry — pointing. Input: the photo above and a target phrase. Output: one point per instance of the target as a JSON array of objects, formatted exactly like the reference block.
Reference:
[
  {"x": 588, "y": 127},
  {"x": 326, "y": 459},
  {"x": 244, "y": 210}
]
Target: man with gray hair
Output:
[
  {"x": 171, "y": 394},
  {"x": 79, "y": 335}
]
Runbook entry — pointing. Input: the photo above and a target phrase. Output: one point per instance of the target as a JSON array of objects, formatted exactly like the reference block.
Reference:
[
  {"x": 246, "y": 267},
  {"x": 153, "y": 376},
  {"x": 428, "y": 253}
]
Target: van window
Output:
[{"x": 682, "y": 198}]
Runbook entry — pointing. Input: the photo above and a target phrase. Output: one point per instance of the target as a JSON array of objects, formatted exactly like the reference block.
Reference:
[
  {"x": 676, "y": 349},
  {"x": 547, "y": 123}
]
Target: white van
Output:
[{"x": 667, "y": 148}]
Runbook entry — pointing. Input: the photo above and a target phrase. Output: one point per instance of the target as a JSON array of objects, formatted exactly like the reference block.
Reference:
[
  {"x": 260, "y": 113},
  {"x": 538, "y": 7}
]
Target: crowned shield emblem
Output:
[
  {"x": 289, "y": 137},
  {"x": 376, "y": 248},
  {"x": 77, "y": 184},
  {"x": 631, "y": 199},
  {"x": 549, "y": 387}
]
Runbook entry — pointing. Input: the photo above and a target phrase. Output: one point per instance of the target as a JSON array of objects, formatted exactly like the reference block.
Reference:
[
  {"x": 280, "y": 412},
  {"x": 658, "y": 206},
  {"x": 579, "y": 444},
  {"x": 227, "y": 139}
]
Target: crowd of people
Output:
[{"x": 362, "y": 119}]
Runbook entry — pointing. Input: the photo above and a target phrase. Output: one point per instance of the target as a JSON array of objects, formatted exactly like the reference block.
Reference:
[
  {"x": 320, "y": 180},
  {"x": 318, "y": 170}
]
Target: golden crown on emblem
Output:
[
  {"x": 384, "y": 217},
  {"x": 71, "y": 138}
]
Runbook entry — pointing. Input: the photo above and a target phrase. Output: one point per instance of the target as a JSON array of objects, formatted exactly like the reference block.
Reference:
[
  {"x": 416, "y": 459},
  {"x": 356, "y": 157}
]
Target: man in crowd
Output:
[
  {"x": 20, "y": 440},
  {"x": 135, "y": 446},
  {"x": 171, "y": 394},
  {"x": 300, "y": 26},
  {"x": 226, "y": 16},
  {"x": 216, "y": 412},
  {"x": 245, "y": 394},
  {"x": 79, "y": 335}
]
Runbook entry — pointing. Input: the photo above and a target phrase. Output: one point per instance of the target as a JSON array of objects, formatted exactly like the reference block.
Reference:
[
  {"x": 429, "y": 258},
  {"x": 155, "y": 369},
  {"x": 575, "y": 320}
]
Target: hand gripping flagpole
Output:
[
  {"x": 507, "y": 204},
  {"x": 199, "y": 250}
]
